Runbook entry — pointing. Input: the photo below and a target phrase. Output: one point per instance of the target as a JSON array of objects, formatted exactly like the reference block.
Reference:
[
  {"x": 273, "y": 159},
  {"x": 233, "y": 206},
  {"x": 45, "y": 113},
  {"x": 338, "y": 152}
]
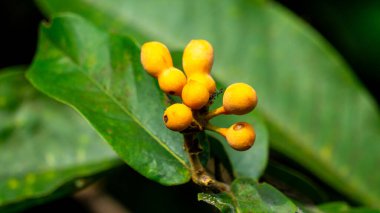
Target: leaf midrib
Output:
[
  {"x": 83, "y": 72},
  {"x": 272, "y": 121},
  {"x": 293, "y": 137}
]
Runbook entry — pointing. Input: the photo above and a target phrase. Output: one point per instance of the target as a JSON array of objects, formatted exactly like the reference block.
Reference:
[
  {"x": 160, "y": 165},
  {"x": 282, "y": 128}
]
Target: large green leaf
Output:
[
  {"x": 100, "y": 75},
  {"x": 316, "y": 110},
  {"x": 249, "y": 196},
  {"x": 43, "y": 144}
]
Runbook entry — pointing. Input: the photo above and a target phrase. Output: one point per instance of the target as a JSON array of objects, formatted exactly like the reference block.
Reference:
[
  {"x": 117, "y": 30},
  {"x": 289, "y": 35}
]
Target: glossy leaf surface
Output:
[
  {"x": 249, "y": 196},
  {"x": 316, "y": 110},
  {"x": 100, "y": 75}
]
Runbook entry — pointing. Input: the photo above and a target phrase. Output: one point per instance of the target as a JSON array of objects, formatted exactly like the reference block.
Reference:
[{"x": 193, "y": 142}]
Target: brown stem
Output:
[{"x": 198, "y": 173}]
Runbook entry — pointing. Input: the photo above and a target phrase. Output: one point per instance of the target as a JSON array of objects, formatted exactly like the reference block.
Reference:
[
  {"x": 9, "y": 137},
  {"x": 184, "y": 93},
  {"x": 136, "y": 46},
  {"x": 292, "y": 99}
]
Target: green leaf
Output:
[
  {"x": 43, "y": 144},
  {"x": 295, "y": 184},
  {"x": 316, "y": 111},
  {"x": 334, "y": 207},
  {"x": 249, "y": 196},
  {"x": 337, "y": 207},
  {"x": 100, "y": 75}
]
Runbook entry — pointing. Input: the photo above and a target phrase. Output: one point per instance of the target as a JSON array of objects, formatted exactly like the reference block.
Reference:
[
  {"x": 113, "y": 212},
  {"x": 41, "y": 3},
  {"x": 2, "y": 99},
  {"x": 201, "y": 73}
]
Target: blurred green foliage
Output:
[{"x": 318, "y": 114}]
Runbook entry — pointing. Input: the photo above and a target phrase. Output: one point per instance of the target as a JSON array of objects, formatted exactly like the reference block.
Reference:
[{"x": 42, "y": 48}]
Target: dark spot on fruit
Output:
[
  {"x": 171, "y": 92},
  {"x": 166, "y": 118}
]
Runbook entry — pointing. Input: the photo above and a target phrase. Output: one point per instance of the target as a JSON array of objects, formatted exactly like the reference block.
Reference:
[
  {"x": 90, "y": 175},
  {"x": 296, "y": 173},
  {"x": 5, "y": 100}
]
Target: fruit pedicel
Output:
[{"x": 197, "y": 89}]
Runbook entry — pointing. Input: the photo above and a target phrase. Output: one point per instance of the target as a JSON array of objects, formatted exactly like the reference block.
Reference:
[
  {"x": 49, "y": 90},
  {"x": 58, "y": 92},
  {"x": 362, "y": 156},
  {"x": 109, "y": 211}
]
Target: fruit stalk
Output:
[
  {"x": 198, "y": 173},
  {"x": 215, "y": 113}
]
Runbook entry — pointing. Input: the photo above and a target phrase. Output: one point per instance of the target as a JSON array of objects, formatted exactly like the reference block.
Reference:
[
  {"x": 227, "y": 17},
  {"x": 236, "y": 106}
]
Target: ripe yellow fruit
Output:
[
  {"x": 204, "y": 79},
  {"x": 195, "y": 95},
  {"x": 239, "y": 99},
  {"x": 155, "y": 58},
  {"x": 241, "y": 136},
  {"x": 178, "y": 117},
  {"x": 172, "y": 81},
  {"x": 198, "y": 57}
]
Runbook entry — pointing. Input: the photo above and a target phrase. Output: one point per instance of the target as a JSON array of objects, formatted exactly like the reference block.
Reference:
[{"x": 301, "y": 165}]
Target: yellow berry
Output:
[
  {"x": 241, "y": 136},
  {"x": 195, "y": 95},
  {"x": 204, "y": 79},
  {"x": 178, "y": 117},
  {"x": 239, "y": 99},
  {"x": 155, "y": 58},
  {"x": 198, "y": 57},
  {"x": 172, "y": 81}
]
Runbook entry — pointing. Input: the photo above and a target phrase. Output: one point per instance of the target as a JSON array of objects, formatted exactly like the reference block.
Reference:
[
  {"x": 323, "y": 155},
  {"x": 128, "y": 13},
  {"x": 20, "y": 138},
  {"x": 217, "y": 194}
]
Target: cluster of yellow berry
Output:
[{"x": 197, "y": 89}]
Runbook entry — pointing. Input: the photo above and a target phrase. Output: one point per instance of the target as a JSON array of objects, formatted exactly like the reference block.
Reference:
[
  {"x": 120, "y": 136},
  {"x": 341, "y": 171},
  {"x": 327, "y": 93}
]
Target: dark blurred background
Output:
[{"x": 19, "y": 20}]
